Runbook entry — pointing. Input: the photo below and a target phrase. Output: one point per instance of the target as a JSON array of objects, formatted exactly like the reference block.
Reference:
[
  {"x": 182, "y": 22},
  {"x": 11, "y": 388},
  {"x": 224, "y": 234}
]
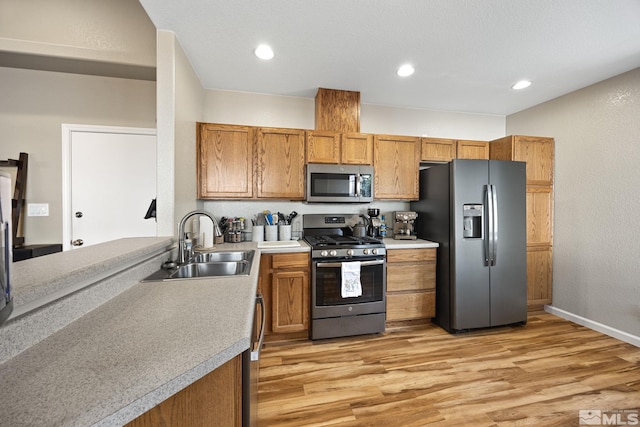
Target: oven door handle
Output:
[{"x": 339, "y": 264}]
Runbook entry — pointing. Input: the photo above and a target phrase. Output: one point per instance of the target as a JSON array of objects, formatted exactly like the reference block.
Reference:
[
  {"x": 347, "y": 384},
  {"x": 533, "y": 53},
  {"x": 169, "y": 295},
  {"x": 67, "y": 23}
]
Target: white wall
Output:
[
  {"x": 114, "y": 31},
  {"x": 293, "y": 112},
  {"x": 33, "y": 106},
  {"x": 596, "y": 233},
  {"x": 75, "y": 62},
  {"x": 436, "y": 124}
]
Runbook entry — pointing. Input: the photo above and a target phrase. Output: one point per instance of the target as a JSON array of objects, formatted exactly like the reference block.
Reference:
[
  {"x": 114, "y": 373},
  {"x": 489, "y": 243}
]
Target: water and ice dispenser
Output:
[{"x": 472, "y": 221}]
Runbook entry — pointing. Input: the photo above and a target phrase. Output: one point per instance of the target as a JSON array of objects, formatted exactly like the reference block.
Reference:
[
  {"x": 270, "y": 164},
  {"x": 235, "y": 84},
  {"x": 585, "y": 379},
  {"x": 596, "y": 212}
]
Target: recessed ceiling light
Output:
[
  {"x": 405, "y": 70},
  {"x": 522, "y": 84},
  {"x": 264, "y": 52}
]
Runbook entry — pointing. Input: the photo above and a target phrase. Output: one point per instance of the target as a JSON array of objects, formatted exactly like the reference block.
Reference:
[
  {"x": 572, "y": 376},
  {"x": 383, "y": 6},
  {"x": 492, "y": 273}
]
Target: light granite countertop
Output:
[
  {"x": 138, "y": 348},
  {"x": 391, "y": 243},
  {"x": 132, "y": 352}
]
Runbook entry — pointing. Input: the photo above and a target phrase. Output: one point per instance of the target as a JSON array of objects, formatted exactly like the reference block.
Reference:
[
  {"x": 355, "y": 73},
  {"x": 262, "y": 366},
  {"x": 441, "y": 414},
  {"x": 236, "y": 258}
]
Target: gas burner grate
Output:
[{"x": 337, "y": 240}]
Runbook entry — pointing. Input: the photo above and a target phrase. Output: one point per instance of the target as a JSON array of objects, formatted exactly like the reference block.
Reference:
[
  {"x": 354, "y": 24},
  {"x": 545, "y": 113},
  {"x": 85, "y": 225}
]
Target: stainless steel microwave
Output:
[{"x": 339, "y": 183}]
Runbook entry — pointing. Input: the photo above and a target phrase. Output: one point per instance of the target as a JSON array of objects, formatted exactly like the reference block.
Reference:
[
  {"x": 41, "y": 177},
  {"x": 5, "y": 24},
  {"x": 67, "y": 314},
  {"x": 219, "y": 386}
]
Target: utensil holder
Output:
[
  {"x": 284, "y": 232},
  {"x": 257, "y": 233},
  {"x": 271, "y": 233}
]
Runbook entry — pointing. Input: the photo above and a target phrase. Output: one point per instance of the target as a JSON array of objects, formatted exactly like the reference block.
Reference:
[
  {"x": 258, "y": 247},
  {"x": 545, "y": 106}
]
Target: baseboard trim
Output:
[{"x": 596, "y": 326}]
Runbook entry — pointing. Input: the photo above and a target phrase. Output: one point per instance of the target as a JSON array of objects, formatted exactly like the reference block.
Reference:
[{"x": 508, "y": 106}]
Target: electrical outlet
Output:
[{"x": 37, "y": 209}]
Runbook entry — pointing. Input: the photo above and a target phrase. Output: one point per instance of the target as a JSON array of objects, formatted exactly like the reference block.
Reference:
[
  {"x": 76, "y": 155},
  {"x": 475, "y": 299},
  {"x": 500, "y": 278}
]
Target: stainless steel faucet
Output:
[{"x": 182, "y": 250}]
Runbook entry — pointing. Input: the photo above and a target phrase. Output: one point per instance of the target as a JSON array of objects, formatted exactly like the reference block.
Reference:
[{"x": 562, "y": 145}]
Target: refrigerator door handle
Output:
[
  {"x": 494, "y": 238},
  {"x": 488, "y": 234}
]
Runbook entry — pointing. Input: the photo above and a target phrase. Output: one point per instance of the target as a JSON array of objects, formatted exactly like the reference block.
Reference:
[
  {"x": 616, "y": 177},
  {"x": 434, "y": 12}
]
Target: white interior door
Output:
[{"x": 111, "y": 183}]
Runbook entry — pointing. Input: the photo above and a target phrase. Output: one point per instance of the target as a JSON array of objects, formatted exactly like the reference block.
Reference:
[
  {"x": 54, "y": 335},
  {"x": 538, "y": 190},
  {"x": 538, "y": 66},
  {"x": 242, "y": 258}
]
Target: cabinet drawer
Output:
[
  {"x": 292, "y": 260},
  {"x": 407, "y": 277},
  {"x": 414, "y": 305},
  {"x": 411, "y": 255}
]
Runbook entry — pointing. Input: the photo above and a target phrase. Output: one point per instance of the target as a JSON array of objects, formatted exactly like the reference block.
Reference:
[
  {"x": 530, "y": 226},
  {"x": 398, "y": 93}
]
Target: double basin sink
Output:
[{"x": 208, "y": 264}]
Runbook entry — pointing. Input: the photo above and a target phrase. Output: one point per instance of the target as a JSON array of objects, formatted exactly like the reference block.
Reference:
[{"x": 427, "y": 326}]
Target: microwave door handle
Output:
[{"x": 357, "y": 186}]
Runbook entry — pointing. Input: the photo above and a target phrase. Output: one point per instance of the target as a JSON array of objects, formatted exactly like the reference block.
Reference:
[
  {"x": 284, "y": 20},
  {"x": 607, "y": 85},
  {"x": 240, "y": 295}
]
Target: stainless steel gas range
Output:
[{"x": 339, "y": 263}]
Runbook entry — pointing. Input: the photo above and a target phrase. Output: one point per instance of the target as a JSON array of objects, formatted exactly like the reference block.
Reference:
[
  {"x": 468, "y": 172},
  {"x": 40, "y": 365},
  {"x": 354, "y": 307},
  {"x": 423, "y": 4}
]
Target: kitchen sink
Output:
[
  {"x": 208, "y": 264},
  {"x": 211, "y": 269},
  {"x": 223, "y": 256}
]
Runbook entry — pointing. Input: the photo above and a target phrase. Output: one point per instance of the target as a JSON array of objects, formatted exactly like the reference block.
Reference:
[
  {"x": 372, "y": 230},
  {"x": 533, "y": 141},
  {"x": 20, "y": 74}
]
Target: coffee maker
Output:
[
  {"x": 403, "y": 228},
  {"x": 374, "y": 222}
]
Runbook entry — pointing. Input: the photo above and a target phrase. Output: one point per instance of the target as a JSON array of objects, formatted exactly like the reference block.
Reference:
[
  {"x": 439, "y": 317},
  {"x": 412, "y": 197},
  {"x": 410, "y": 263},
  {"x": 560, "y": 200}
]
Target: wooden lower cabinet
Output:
[
  {"x": 411, "y": 286},
  {"x": 284, "y": 284},
  {"x": 213, "y": 400},
  {"x": 539, "y": 277}
]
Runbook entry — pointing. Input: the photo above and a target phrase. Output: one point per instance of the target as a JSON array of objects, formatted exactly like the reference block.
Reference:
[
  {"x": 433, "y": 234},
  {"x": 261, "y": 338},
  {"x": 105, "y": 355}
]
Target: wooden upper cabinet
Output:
[
  {"x": 444, "y": 150},
  {"x": 224, "y": 161},
  {"x": 335, "y": 148},
  {"x": 357, "y": 149},
  {"x": 396, "y": 162},
  {"x": 536, "y": 151},
  {"x": 280, "y": 163},
  {"x": 337, "y": 110},
  {"x": 323, "y": 146},
  {"x": 468, "y": 149},
  {"x": 438, "y": 149}
]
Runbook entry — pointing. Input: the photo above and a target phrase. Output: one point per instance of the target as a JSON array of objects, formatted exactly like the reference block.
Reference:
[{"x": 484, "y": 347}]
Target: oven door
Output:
[{"x": 326, "y": 280}]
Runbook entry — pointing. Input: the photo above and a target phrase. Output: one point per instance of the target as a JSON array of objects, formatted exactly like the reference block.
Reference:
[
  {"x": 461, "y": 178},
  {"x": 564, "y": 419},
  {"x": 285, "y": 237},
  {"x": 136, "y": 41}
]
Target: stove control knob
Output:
[
  {"x": 374, "y": 251},
  {"x": 365, "y": 251},
  {"x": 349, "y": 252},
  {"x": 324, "y": 253},
  {"x": 333, "y": 253}
]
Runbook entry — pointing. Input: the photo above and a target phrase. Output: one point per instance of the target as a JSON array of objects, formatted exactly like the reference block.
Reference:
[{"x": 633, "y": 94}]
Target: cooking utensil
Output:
[
  {"x": 268, "y": 217},
  {"x": 359, "y": 230}
]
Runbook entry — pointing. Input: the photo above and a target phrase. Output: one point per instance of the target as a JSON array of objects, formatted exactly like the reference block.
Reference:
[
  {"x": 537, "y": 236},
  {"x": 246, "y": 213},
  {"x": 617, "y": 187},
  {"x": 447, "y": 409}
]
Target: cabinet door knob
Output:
[
  {"x": 79, "y": 214},
  {"x": 77, "y": 242}
]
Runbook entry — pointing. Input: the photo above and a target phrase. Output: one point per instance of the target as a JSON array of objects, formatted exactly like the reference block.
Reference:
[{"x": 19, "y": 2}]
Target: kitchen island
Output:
[{"x": 131, "y": 352}]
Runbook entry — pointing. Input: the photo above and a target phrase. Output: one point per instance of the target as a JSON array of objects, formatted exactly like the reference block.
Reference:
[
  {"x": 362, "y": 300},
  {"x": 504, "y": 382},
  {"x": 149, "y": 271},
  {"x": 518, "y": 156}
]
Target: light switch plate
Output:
[{"x": 37, "y": 209}]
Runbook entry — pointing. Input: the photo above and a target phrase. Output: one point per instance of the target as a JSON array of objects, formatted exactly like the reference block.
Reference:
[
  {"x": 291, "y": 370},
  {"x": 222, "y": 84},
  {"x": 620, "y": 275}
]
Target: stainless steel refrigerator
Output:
[{"x": 476, "y": 211}]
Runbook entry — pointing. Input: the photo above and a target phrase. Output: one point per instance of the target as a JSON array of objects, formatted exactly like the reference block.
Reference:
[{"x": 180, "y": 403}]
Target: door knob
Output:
[
  {"x": 77, "y": 242},
  {"x": 79, "y": 214}
]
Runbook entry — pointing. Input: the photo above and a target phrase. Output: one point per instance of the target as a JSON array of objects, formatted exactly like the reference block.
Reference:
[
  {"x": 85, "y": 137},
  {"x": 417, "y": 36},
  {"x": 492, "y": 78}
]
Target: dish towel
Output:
[{"x": 351, "y": 286}]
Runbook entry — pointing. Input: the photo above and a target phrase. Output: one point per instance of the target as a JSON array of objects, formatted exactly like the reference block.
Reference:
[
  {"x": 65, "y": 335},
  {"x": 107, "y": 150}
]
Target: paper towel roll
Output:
[{"x": 206, "y": 232}]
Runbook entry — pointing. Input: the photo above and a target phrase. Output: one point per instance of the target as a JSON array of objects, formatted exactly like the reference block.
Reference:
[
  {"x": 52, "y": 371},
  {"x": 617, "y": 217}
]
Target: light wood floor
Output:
[{"x": 540, "y": 374}]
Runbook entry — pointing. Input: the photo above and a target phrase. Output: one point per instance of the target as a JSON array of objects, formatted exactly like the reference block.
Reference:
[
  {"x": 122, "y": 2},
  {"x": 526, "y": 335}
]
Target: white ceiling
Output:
[{"x": 467, "y": 53}]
